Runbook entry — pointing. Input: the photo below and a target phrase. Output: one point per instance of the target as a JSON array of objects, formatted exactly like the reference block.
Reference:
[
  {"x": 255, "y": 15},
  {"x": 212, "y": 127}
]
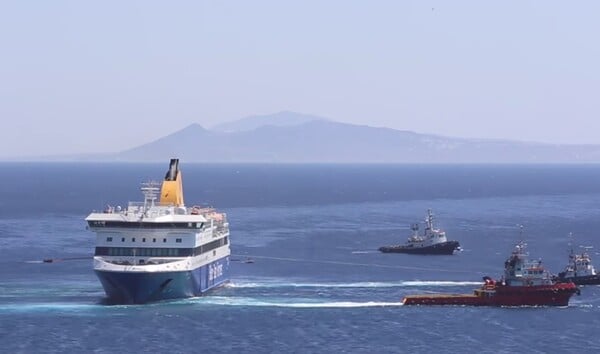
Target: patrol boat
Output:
[
  {"x": 525, "y": 283},
  {"x": 579, "y": 270},
  {"x": 160, "y": 249},
  {"x": 432, "y": 241}
]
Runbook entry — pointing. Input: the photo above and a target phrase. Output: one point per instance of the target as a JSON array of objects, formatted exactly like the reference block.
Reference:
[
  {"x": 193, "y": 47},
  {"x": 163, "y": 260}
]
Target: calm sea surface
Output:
[{"x": 317, "y": 284}]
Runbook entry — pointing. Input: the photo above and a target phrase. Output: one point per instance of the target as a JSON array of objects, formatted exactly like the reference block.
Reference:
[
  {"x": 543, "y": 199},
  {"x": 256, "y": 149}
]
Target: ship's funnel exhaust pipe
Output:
[
  {"x": 173, "y": 170},
  {"x": 172, "y": 187}
]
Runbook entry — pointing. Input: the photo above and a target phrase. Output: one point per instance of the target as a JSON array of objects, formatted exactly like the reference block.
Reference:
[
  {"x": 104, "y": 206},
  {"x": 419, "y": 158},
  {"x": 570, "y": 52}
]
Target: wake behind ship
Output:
[{"x": 156, "y": 250}]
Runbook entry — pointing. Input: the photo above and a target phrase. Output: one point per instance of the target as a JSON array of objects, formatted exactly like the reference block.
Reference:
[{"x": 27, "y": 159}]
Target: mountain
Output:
[
  {"x": 283, "y": 119},
  {"x": 316, "y": 140}
]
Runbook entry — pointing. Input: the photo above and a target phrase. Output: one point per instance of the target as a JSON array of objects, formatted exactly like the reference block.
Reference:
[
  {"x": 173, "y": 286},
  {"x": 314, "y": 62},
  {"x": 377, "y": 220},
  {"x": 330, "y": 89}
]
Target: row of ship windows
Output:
[
  {"x": 161, "y": 252},
  {"x": 164, "y": 240}
]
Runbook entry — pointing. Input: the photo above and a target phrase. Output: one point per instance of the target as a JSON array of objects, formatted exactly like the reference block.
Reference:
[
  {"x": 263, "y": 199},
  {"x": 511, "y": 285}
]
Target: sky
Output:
[{"x": 104, "y": 76}]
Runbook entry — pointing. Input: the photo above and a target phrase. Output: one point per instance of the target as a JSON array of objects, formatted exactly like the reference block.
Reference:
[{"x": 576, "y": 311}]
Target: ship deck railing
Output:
[{"x": 156, "y": 210}]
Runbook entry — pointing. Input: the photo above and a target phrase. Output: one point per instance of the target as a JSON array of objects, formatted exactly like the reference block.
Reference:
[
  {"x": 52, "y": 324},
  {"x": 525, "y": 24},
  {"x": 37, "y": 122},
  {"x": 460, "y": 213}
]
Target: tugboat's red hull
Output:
[{"x": 502, "y": 295}]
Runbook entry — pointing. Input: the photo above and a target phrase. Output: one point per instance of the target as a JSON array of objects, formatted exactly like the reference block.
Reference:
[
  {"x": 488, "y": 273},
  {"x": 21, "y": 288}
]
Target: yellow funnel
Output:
[{"x": 172, "y": 187}]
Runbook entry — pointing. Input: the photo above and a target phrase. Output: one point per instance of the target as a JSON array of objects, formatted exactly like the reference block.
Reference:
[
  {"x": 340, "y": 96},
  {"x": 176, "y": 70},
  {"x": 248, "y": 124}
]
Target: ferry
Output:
[
  {"x": 525, "y": 283},
  {"x": 432, "y": 241},
  {"x": 579, "y": 270},
  {"x": 160, "y": 249}
]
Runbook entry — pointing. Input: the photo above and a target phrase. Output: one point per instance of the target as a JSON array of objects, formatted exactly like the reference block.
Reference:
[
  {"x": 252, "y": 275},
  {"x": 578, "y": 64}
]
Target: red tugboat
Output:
[{"x": 525, "y": 283}]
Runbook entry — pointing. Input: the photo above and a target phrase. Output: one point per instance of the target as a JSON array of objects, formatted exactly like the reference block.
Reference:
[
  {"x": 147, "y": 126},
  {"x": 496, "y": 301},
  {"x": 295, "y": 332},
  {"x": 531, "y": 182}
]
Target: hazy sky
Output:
[{"x": 81, "y": 76}]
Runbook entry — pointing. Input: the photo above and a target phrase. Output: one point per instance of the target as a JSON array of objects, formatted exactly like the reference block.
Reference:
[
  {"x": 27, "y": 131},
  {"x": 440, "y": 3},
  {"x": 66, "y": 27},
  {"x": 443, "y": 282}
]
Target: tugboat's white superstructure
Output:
[
  {"x": 160, "y": 249},
  {"x": 431, "y": 236}
]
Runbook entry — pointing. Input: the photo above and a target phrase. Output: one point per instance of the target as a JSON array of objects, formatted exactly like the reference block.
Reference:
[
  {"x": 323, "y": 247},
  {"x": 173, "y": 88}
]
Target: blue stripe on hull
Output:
[{"x": 142, "y": 287}]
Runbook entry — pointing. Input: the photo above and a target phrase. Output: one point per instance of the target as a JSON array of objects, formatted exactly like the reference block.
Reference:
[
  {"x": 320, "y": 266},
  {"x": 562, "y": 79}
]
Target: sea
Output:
[{"x": 306, "y": 274}]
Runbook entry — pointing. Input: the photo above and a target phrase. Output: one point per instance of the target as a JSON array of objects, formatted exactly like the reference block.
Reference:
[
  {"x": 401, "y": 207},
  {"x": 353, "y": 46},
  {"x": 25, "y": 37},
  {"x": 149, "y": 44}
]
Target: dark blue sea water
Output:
[{"x": 317, "y": 284}]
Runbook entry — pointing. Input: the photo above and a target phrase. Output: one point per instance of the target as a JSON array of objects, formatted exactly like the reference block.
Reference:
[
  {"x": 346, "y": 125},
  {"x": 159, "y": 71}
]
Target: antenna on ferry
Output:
[{"x": 150, "y": 191}]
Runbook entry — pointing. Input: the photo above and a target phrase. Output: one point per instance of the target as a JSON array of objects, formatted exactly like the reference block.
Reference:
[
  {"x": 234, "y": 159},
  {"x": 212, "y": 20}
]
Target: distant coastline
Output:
[{"x": 288, "y": 137}]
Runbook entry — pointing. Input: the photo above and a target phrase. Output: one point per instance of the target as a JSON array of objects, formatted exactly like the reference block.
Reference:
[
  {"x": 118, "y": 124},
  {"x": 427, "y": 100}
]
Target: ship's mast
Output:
[
  {"x": 150, "y": 190},
  {"x": 429, "y": 220},
  {"x": 573, "y": 256},
  {"x": 521, "y": 233}
]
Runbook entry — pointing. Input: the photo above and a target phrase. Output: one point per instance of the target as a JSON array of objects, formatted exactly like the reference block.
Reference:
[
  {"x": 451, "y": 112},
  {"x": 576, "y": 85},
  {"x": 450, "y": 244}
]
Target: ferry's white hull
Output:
[{"x": 138, "y": 287}]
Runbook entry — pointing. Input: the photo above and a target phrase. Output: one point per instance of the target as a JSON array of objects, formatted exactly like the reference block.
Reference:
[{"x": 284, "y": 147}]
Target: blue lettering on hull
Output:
[{"x": 143, "y": 287}]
